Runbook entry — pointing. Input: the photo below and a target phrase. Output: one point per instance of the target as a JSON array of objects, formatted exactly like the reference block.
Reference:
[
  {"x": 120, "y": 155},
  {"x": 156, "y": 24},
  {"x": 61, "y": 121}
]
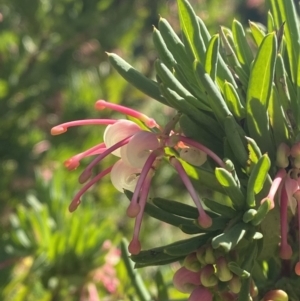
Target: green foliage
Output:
[{"x": 59, "y": 247}]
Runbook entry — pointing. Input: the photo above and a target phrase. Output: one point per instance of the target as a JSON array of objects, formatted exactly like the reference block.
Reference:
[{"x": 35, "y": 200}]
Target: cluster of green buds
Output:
[
  {"x": 209, "y": 276},
  {"x": 238, "y": 98}
]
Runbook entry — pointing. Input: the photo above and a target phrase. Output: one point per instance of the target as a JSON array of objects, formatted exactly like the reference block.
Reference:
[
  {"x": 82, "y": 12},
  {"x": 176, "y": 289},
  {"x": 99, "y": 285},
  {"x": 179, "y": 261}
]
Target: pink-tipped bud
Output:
[
  {"x": 57, "y": 130},
  {"x": 191, "y": 263},
  {"x": 74, "y": 205},
  {"x": 286, "y": 251},
  {"x": 276, "y": 295},
  {"x": 295, "y": 153},
  {"x": 200, "y": 253},
  {"x": 253, "y": 289},
  {"x": 223, "y": 272},
  {"x": 133, "y": 210},
  {"x": 235, "y": 284},
  {"x": 297, "y": 268},
  {"x": 134, "y": 247},
  {"x": 228, "y": 296},
  {"x": 201, "y": 293},
  {"x": 204, "y": 220},
  {"x": 185, "y": 281},
  {"x": 86, "y": 174},
  {"x": 282, "y": 155},
  {"x": 208, "y": 277},
  {"x": 209, "y": 256},
  {"x": 100, "y": 105},
  {"x": 71, "y": 163},
  {"x": 295, "y": 150}
]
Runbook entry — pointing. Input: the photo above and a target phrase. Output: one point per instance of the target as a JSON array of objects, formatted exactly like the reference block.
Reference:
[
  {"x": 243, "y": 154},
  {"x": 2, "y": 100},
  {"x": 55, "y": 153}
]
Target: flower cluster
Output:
[
  {"x": 140, "y": 151},
  {"x": 286, "y": 185},
  {"x": 203, "y": 272}
]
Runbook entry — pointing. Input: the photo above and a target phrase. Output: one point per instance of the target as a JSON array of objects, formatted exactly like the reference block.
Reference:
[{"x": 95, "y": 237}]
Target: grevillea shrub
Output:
[{"x": 236, "y": 101}]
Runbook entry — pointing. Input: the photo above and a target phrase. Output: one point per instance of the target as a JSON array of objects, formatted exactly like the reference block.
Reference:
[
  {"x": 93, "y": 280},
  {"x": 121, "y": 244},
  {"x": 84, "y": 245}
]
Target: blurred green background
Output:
[{"x": 53, "y": 69}]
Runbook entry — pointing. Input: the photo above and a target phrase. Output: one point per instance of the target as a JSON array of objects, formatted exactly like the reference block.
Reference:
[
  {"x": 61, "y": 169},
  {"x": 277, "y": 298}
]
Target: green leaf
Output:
[
  {"x": 202, "y": 118},
  {"x": 176, "y": 47},
  {"x": 191, "y": 86},
  {"x": 228, "y": 49},
  {"x": 297, "y": 104},
  {"x": 217, "y": 102},
  {"x": 262, "y": 212},
  {"x": 243, "y": 50},
  {"x": 135, "y": 277},
  {"x": 204, "y": 31},
  {"x": 173, "y": 83},
  {"x": 221, "y": 209},
  {"x": 262, "y": 72},
  {"x": 211, "y": 57},
  {"x": 236, "y": 139},
  {"x": 231, "y": 188},
  {"x": 257, "y": 33},
  {"x": 258, "y": 93},
  {"x": 201, "y": 134},
  {"x": 257, "y": 178},
  {"x": 230, "y": 238},
  {"x": 244, "y": 293},
  {"x": 161, "y": 286},
  {"x": 270, "y": 22},
  {"x": 282, "y": 86},
  {"x": 155, "y": 256},
  {"x": 136, "y": 78},
  {"x": 253, "y": 149},
  {"x": 277, "y": 118},
  {"x": 223, "y": 72},
  {"x": 232, "y": 59},
  {"x": 233, "y": 101},
  {"x": 186, "y": 246},
  {"x": 164, "y": 53},
  {"x": 191, "y": 30},
  {"x": 237, "y": 270},
  {"x": 177, "y": 208},
  {"x": 287, "y": 13}
]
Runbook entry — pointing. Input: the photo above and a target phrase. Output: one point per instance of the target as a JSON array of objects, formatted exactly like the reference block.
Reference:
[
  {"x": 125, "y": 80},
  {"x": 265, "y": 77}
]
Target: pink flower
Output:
[
  {"x": 286, "y": 185},
  {"x": 140, "y": 152}
]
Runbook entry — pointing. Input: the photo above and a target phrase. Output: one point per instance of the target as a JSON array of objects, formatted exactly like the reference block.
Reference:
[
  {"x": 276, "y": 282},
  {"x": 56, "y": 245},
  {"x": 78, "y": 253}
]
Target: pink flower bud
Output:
[
  {"x": 208, "y": 277},
  {"x": 282, "y": 155},
  {"x": 223, "y": 272},
  {"x": 201, "y": 293},
  {"x": 209, "y": 256},
  {"x": 235, "y": 284},
  {"x": 276, "y": 295},
  {"x": 295, "y": 150},
  {"x": 200, "y": 253},
  {"x": 192, "y": 263},
  {"x": 297, "y": 268},
  {"x": 185, "y": 281}
]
